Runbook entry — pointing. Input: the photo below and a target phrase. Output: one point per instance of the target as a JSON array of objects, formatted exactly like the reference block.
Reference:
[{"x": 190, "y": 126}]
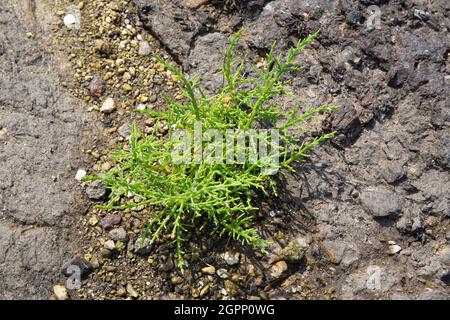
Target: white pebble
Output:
[
  {"x": 71, "y": 21},
  {"x": 140, "y": 107},
  {"x": 80, "y": 174},
  {"x": 108, "y": 106}
]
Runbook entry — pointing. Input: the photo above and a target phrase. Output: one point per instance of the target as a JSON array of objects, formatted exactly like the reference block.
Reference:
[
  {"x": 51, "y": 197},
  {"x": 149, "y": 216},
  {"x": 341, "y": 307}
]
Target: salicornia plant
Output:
[{"x": 190, "y": 195}]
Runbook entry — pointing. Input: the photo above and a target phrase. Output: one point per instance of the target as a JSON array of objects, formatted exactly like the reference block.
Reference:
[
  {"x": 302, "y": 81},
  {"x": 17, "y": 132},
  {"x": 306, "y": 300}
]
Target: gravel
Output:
[
  {"x": 371, "y": 152},
  {"x": 125, "y": 130}
]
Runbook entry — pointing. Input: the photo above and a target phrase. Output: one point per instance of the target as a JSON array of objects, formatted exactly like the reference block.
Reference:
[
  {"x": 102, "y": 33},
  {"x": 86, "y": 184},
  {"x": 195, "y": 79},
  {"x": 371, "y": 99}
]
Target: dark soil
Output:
[{"x": 41, "y": 134}]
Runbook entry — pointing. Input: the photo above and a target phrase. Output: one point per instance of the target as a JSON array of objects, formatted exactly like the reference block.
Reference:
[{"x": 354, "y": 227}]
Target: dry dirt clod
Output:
[{"x": 102, "y": 47}]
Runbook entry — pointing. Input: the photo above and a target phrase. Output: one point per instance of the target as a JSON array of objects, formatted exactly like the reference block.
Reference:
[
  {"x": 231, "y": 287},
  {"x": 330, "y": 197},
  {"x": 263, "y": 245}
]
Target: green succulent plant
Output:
[{"x": 189, "y": 196}]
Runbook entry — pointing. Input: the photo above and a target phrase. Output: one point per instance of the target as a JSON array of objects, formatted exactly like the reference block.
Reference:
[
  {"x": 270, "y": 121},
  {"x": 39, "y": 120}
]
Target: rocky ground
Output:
[{"x": 366, "y": 218}]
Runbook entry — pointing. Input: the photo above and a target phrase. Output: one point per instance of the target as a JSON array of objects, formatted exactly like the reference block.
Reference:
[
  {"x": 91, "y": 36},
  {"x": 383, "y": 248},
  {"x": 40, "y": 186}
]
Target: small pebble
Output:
[
  {"x": 127, "y": 87},
  {"x": 176, "y": 280},
  {"x": 108, "y": 106},
  {"x": 110, "y": 220},
  {"x": 118, "y": 234},
  {"x": 106, "y": 253},
  {"x": 96, "y": 190},
  {"x": 60, "y": 292},
  {"x": 106, "y": 166},
  {"x": 126, "y": 76},
  {"x": 75, "y": 264},
  {"x": 231, "y": 258},
  {"x": 209, "y": 270},
  {"x": 144, "y": 48},
  {"x": 204, "y": 291},
  {"x": 110, "y": 245},
  {"x": 102, "y": 47},
  {"x": 168, "y": 266},
  {"x": 222, "y": 273},
  {"x": 93, "y": 220},
  {"x": 142, "y": 246},
  {"x": 122, "y": 292},
  {"x": 97, "y": 86},
  {"x": 71, "y": 22},
  {"x": 231, "y": 287},
  {"x": 131, "y": 291},
  {"x": 150, "y": 122},
  {"x": 125, "y": 130},
  {"x": 80, "y": 174}
]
